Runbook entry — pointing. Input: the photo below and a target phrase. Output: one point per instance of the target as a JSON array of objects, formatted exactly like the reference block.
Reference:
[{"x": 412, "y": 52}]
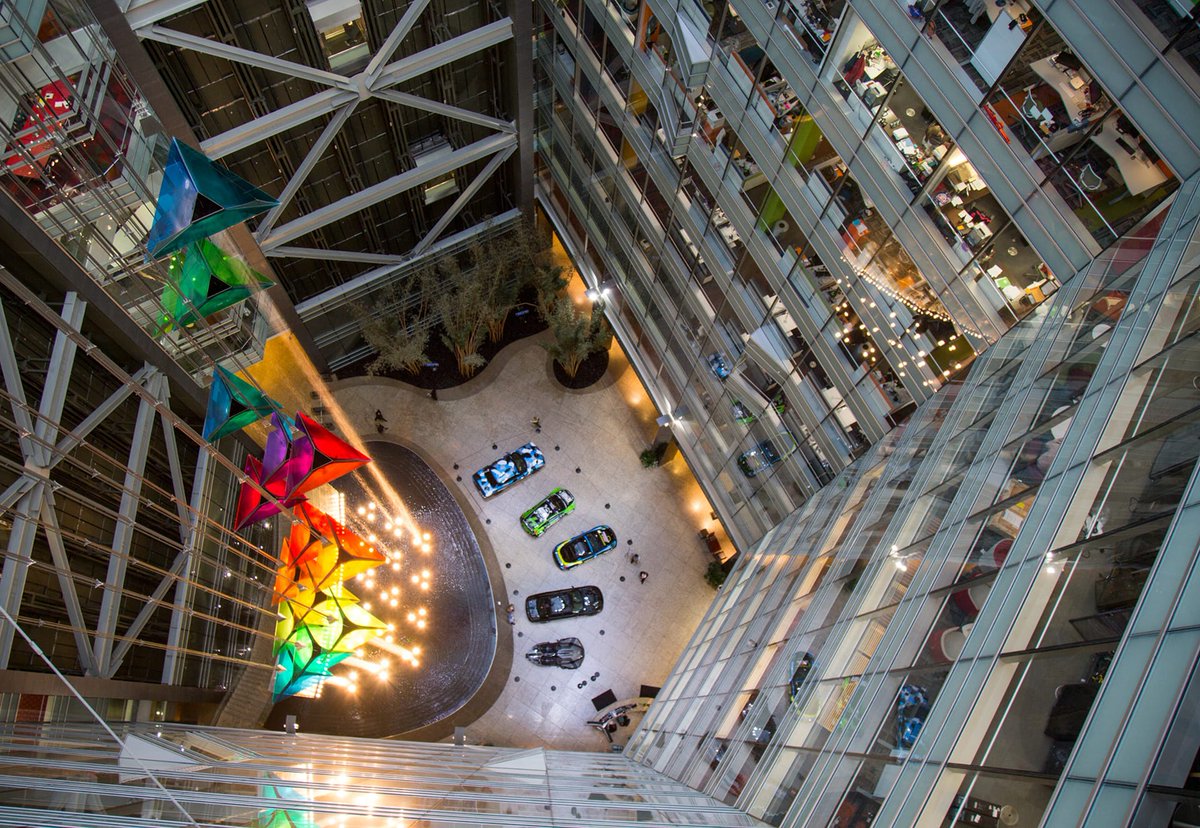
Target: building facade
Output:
[
  {"x": 914, "y": 286},
  {"x": 810, "y": 216}
]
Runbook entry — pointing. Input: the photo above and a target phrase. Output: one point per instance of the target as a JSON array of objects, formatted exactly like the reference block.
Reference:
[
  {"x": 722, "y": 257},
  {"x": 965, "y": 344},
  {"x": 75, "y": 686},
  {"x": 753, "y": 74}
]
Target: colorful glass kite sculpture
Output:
[
  {"x": 331, "y": 456},
  {"x": 301, "y": 668},
  {"x": 233, "y": 404},
  {"x": 301, "y": 547},
  {"x": 251, "y": 505},
  {"x": 354, "y": 626},
  {"x": 320, "y": 621},
  {"x": 312, "y": 458},
  {"x": 344, "y": 556},
  {"x": 285, "y": 818},
  {"x": 197, "y": 199},
  {"x": 287, "y": 814},
  {"x": 206, "y": 280},
  {"x": 318, "y": 616}
]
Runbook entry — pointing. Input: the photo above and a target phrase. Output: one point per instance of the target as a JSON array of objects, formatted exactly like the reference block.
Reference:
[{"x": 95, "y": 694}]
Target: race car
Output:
[
  {"x": 592, "y": 543},
  {"x": 564, "y": 603},
  {"x": 766, "y": 454},
  {"x": 549, "y": 511},
  {"x": 516, "y": 465}
]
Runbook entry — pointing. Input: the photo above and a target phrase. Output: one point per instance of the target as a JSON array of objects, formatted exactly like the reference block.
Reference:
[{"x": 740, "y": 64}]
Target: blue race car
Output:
[
  {"x": 766, "y": 454},
  {"x": 912, "y": 708},
  {"x": 514, "y": 466},
  {"x": 591, "y": 544}
]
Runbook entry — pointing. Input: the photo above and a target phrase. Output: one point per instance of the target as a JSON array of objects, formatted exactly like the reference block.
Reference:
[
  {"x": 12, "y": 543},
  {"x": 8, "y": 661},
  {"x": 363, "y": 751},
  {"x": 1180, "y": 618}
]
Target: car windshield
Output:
[
  {"x": 505, "y": 469},
  {"x": 575, "y": 550},
  {"x": 769, "y": 453},
  {"x": 601, "y": 537},
  {"x": 554, "y": 503}
]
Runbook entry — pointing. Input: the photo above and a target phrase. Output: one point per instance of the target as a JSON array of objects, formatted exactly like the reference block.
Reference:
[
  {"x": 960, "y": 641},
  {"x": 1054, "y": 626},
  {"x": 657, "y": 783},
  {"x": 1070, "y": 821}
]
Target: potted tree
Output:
[
  {"x": 577, "y": 336},
  {"x": 399, "y": 331},
  {"x": 461, "y": 305}
]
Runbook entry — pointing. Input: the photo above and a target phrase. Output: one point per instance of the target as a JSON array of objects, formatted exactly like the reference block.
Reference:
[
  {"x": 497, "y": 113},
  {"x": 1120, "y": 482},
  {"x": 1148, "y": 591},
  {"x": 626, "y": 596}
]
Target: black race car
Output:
[{"x": 564, "y": 603}]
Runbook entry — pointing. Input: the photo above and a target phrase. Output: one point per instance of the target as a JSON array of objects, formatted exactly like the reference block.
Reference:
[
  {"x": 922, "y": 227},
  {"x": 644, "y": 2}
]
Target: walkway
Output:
[{"x": 591, "y": 439}]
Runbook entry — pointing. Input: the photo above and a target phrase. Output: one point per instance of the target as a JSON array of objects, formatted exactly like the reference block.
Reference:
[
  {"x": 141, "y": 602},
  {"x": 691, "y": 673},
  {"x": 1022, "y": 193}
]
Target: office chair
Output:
[{"x": 1089, "y": 179}]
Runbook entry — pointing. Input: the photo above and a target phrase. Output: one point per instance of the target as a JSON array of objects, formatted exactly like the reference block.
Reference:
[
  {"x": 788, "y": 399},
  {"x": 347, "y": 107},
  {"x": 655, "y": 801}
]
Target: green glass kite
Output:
[
  {"x": 233, "y": 404},
  {"x": 205, "y": 279}
]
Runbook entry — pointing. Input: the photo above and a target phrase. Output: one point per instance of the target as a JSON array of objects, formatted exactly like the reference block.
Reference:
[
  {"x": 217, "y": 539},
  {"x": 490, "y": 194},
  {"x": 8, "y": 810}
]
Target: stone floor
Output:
[{"x": 591, "y": 439}]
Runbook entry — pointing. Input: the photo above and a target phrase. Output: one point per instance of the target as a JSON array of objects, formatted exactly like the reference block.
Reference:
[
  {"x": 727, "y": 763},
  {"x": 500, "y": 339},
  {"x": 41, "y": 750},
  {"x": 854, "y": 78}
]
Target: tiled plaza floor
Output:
[{"x": 599, "y": 431}]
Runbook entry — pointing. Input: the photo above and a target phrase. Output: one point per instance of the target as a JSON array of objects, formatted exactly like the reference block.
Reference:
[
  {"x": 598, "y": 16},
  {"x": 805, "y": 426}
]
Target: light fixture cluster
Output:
[{"x": 385, "y": 582}]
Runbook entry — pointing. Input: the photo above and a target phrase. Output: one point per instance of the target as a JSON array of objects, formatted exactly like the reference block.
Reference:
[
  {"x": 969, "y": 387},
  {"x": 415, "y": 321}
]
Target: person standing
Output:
[
  {"x": 512, "y": 615},
  {"x": 380, "y": 421},
  {"x": 643, "y": 575},
  {"x": 634, "y": 558}
]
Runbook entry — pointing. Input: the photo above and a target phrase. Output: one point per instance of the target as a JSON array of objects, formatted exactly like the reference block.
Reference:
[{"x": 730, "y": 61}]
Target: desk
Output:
[
  {"x": 877, "y": 66},
  {"x": 853, "y": 232},
  {"x": 1000, "y": 43},
  {"x": 1137, "y": 170},
  {"x": 1014, "y": 8},
  {"x": 730, "y": 235},
  {"x": 1074, "y": 100},
  {"x": 978, "y": 234},
  {"x": 786, "y": 323}
]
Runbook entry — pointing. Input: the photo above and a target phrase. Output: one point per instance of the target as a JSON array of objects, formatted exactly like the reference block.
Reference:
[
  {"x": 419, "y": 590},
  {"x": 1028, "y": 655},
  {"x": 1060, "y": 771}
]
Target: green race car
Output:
[{"x": 549, "y": 511}]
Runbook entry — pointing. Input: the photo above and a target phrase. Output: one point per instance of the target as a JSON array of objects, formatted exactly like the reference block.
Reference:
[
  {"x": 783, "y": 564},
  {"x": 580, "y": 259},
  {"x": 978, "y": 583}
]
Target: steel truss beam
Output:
[
  {"x": 388, "y": 48},
  {"x": 286, "y": 251},
  {"x": 142, "y": 14},
  {"x": 378, "y": 79},
  {"x": 15, "y": 388},
  {"x": 73, "y": 438},
  {"x": 172, "y": 446},
  {"x": 301, "y": 174},
  {"x": 66, "y": 581},
  {"x": 237, "y": 54},
  {"x": 281, "y": 120},
  {"x": 386, "y": 189},
  {"x": 118, "y": 563},
  {"x": 191, "y": 549},
  {"x": 16, "y": 562},
  {"x": 417, "y": 102},
  {"x": 426, "y": 60},
  {"x": 152, "y": 603},
  {"x": 349, "y": 291},
  {"x": 466, "y": 195}
]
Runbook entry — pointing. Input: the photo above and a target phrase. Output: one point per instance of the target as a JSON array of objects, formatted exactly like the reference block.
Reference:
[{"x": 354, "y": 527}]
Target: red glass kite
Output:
[{"x": 331, "y": 456}]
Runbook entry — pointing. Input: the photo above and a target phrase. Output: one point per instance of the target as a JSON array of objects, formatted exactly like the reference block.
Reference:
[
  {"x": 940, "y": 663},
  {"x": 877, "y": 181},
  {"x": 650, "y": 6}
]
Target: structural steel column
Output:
[
  {"x": 36, "y": 449},
  {"x": 114, "y": 582},
  {"x": 180, "y": 613}
]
